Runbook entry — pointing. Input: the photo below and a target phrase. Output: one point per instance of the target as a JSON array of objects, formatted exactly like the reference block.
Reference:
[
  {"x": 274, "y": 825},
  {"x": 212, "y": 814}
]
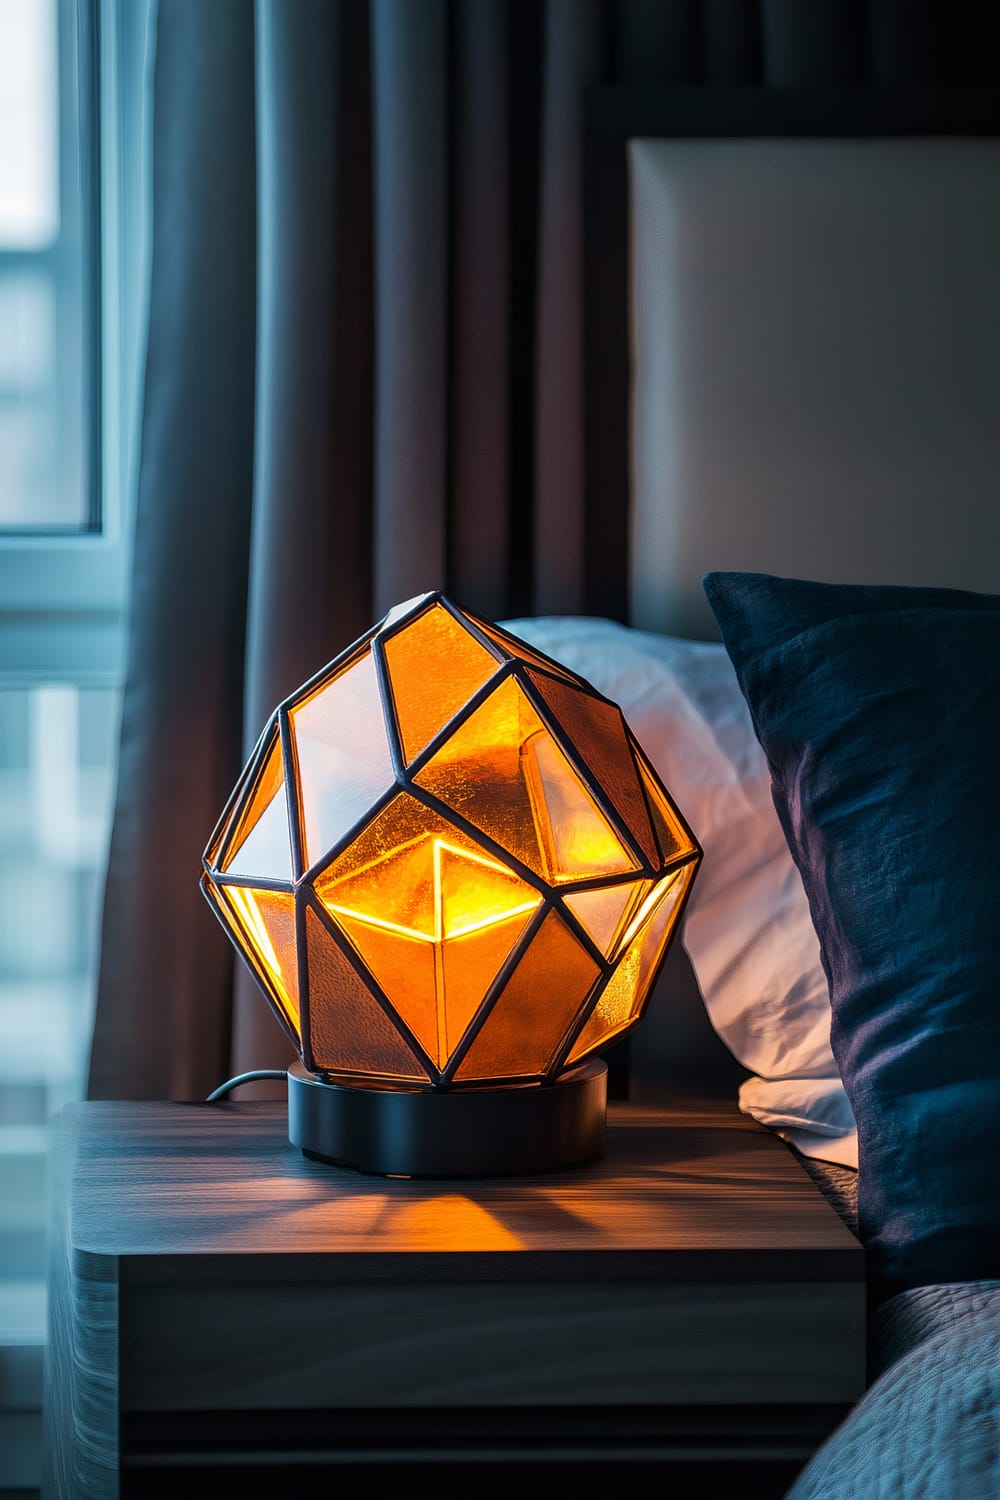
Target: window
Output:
[
  {"x": 73, "y": 76},
  {"x": 44, "y": 270}
]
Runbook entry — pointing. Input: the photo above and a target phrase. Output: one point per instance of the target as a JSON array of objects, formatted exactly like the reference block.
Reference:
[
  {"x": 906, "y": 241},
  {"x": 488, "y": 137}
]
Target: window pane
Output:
[
  {"x": 27, "y": 334},
  {"x": 29, "y": 124},
  {"x": 57, "y": 749},
  {"x": 44, "y": 473}
]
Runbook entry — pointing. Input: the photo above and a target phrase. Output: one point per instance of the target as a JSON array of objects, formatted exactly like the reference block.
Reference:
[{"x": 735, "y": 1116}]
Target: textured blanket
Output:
[{"x": 928, "y": 1427}]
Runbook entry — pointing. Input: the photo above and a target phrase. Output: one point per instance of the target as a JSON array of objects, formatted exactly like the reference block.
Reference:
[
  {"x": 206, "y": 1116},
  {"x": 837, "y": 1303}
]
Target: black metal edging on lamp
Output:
[{"x": 455, "y": 875}]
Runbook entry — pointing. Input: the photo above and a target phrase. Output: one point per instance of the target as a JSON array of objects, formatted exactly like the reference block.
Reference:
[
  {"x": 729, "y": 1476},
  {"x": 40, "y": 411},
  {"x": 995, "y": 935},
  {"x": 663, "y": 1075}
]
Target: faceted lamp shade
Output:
[{"x": 448, "y": 863}]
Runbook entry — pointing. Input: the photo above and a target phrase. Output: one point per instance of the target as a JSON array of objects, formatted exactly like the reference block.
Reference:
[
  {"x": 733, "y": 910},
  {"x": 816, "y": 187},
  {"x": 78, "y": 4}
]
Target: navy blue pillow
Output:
[{"x": 878, "y": 709}]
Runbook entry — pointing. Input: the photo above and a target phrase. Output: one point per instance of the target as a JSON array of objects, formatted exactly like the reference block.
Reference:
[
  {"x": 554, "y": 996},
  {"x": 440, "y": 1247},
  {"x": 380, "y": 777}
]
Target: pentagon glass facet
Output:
[{"x": 449, "y": 863}]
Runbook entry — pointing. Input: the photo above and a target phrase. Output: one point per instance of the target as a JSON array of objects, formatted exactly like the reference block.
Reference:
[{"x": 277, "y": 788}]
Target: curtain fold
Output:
[
  {"x": 310, "y": 583},
  {"x": 162, "y": 1025},
  {"x": 410, "y": 168},
  {"x": 480, "y": 268},
  {"x": 364, "y": 379},
  {"x": 575, "y": 35}
]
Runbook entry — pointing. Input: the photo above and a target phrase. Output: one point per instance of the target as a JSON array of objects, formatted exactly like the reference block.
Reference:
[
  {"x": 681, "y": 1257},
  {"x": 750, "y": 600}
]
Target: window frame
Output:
[{"x": 63, "y": 593}]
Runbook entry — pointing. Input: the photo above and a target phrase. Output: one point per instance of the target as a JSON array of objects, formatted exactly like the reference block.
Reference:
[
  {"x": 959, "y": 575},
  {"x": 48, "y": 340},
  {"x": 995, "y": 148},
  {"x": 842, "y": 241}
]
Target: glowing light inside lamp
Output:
[{"x": 448, "y": 863}]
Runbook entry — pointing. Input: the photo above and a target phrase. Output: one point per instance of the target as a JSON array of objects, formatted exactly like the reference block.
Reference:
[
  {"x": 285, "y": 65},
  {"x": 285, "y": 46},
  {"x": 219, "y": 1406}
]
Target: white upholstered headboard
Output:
[
  {"x": 792, "y": 341},
  {"x": 815, "y": 365}
]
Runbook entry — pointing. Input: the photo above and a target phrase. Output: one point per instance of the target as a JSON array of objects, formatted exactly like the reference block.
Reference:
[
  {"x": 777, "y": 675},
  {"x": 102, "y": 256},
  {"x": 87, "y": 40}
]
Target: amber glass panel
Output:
[
  {"x": 532, "y": 1014},
  {"x": 477, "y": 891},
  {"x": 435, "y": 666},
  {"x": 478, "y": 771},
  {"x": 502, "y": 771},
  {"x": 265, "y": 923},
  {"x": 469, "y": 964},
  {"x": 412, "y": 870},
  {"x": 578, "y": 840},
  {"x": 644, "y": 908},
  {"x": 627, "y": 990},
  {"x": 670, "y": 832},
  {"x": 259, "y": 844},
  {"x": 404, "y": 967},
  {"x": 344, "y": 764},
  {"x": 436, "y": 987},
  {"x": 349, "y": 1031},
  {"x": 515, "y": 647},
  {"x": 636, "y": 914},
  {"x": 605, "y": 912},
  {"x": 431, "y": 915},
  {"x": 597, "y": 729},
  {"x": 384, "y": 880}
]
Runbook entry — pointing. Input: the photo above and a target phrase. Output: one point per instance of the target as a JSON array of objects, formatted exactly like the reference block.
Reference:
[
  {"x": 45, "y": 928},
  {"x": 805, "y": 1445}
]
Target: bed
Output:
[{"x": 793, "y": 379}]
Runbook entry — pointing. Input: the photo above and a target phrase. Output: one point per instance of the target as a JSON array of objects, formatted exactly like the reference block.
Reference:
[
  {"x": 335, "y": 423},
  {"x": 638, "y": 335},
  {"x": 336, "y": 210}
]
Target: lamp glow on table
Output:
[{"x": 454, "y": 875}]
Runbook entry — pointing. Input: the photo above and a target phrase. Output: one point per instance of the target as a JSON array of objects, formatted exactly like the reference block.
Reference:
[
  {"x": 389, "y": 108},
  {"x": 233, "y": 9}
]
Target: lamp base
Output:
[{"x": 492, "y": 1132}]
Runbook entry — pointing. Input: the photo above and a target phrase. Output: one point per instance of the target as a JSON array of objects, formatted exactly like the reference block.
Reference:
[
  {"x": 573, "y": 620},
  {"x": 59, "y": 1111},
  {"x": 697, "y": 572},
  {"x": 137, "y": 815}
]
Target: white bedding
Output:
[{"x": 747, "y": 930}]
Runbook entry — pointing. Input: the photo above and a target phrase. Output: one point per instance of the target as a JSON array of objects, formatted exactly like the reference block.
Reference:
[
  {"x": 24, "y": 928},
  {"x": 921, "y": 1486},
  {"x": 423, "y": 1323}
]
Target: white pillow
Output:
[{"x": 747, "y": 931}]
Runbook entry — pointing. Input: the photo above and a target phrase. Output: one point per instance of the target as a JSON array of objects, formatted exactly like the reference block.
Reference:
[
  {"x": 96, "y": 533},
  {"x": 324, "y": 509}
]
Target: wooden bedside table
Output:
[{"x": 691, "y": 1302}]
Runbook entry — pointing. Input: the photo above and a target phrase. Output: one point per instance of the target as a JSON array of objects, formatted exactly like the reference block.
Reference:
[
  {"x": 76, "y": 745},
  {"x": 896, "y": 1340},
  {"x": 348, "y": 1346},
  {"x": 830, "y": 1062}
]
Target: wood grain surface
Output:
[
  {"x": 174, "y": 1179},
  {"x": 201, "y": 1264},
  {"x": 491, "y": 1344}
]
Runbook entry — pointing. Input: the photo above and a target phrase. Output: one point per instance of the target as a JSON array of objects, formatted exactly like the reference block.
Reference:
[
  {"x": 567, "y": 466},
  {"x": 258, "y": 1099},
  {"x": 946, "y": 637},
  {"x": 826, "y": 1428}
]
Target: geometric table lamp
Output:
[{"x": 454, "y": 875}]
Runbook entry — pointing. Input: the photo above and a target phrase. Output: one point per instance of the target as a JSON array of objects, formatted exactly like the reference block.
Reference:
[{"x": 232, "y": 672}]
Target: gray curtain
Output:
[{"x": 364, "y": 379}]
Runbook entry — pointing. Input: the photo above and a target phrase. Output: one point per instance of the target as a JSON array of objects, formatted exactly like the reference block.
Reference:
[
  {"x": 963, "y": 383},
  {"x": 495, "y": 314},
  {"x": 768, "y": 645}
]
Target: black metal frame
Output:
[
  {"x": 527, "y": 673},
  {"x": 450, "y": 1133}
]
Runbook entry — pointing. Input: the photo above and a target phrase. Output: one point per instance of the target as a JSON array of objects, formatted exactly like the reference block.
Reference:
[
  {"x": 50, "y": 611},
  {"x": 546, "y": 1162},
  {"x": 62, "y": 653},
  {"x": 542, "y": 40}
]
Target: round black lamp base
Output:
[{"x": 491, "y": 1132}]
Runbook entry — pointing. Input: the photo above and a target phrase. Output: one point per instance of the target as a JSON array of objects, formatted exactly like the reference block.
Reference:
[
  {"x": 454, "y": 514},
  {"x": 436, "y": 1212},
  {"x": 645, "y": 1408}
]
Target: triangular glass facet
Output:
[
  {"x": 403, "y": 966},
  {"x": 519, "y": 650},
  {"x": 627, "y": 991},
  {"x": 604, "y": 913},
  {"x": 266, "y": 922},
  {"x": 435, "y": 666},
  {"x": 401, "y": 610},
  {"x": 534, "y": 1011},
  {"x": 342, "y": 752},
  {"x": 469, "y": 965},
  {"x": 577, "y": 837},
  {"x": 412, "y": 870},
  {"x": 266, "y": 851},
  {"x": 258, "y": 843},
  {"x": 393, "y": 888},
  {"x": 503, "y": 772},
  {"x": 349, "y": 1032},
  {"x": 431, "y": 916},
  {"x": 671, "y": 834},
  {"x": 597, "y": 729},
  {"x": 476, "y": 891}
]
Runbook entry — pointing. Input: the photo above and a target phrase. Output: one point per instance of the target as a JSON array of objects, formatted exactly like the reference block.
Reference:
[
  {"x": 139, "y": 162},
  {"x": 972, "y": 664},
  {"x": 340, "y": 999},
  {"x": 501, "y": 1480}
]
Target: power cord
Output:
[{"x": 233, "y": 1083}]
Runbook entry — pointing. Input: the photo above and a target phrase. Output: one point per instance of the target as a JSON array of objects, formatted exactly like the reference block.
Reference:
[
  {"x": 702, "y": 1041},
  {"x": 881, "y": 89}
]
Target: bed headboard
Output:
[
  {"x": 792, "y": 341},
  {"x": 792, "y": 365}
]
